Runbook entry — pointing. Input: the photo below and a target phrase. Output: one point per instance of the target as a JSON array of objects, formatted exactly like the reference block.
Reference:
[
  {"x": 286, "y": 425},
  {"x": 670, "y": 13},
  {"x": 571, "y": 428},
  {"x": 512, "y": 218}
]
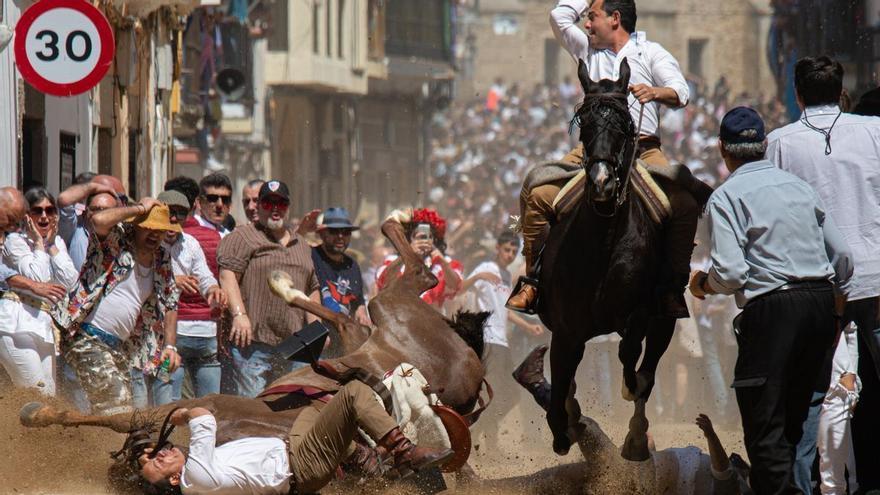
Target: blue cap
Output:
[
  {"x": 738, "y": 120},
  {"x": 336, "y": 218}
]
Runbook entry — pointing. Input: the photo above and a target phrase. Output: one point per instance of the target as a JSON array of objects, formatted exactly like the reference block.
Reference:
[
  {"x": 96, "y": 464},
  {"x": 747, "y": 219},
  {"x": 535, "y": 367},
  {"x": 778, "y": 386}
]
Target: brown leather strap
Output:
[
  {"x": 474, "y": 415},
  {"x": 325, "y": 368}
]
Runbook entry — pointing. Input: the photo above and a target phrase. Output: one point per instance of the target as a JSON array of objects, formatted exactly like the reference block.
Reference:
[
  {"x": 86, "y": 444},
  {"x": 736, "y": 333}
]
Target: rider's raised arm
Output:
[
  {"x": 564, "y": 21},
  {"x": 667, "y": 73}
]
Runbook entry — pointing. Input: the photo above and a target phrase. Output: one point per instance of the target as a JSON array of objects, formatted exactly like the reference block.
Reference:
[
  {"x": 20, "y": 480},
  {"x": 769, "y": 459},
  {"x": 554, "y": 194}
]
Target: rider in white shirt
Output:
[{"x": 655, "y": 79}]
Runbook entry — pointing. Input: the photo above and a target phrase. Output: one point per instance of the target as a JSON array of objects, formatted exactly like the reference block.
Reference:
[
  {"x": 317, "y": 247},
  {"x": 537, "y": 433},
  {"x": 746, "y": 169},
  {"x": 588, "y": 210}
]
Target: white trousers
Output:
[
  {"x": 29, "y": 361},
  {"x": 834, "y": 439}
]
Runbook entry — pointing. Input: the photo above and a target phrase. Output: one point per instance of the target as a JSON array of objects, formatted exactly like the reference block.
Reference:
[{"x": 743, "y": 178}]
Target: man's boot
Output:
[
  {"x": 530, "y": 374},
  {"x": 409, "y": 457},
  {"x": 525, "y": 293},
  {"x": 670, "y": 294},
  {"x": 365, "y": 462}
]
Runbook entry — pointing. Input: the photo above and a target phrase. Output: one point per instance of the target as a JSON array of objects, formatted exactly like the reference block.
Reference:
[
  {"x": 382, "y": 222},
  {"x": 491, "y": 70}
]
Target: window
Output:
[
  {"x": 329, "y": 30},
  {"x": 278, "y": 21},
  {"x": 340, "y": 30},
  {"x": 696, "y": 56},
  {"x": 316, "y": 13}
]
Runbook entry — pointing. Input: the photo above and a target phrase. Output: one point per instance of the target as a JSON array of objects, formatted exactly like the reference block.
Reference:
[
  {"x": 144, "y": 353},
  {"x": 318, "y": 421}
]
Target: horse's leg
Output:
[
  {"x": 38, "y": 415},
  {"x": 656, "y": 342},
  {"x": 635, "y": 446},
  {"x": 415, "y": 273},
  {"x": 628, "y": 351},
  {"x": 564, "y": 359}
]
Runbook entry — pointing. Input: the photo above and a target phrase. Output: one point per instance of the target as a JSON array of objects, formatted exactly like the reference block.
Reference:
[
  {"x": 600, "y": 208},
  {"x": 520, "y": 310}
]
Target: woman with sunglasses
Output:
[{"x": 27, "y": 338}]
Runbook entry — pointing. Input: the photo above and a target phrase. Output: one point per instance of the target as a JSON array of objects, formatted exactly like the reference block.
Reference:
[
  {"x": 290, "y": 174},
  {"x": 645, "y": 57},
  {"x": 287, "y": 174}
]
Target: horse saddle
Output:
[{"x": 647, "y": 181}]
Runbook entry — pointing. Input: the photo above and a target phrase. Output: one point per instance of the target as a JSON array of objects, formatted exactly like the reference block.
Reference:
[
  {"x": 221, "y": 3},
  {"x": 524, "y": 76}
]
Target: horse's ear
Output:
[
  {"x": 623, "y": 80},
  {"x": 584, "y": 76}
]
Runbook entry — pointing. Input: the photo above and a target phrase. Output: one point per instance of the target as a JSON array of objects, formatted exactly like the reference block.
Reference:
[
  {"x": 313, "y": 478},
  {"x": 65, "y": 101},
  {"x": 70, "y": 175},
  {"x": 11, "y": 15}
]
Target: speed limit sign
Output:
[{"x": 63, "y": 47}]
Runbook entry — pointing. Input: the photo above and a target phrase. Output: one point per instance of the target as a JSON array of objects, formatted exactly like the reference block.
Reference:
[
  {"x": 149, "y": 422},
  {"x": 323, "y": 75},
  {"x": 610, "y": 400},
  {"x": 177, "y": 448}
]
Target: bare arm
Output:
[
  {"x": 78, "y": 193},
  {"x": 720, "y": 462},
  {"x": 240, "y": 334},
  {"x": 104, "y": 221}
]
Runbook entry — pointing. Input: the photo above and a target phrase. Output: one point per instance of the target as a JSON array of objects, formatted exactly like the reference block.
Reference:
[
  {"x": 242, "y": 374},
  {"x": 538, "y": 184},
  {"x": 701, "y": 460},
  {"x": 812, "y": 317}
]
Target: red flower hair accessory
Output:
[{"x": 430, "y": 217}]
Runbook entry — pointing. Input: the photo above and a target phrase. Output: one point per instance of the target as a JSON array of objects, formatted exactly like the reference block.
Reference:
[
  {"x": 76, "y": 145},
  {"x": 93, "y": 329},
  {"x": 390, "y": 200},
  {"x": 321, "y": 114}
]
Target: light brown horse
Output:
[{"x": 408, "y": 330}]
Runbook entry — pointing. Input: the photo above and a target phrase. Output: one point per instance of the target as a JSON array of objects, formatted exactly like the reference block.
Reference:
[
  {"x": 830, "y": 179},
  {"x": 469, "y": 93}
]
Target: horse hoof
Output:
[
  {"x": 28, "y": 414},
  {"x": 561, "y": 446},
  {"x": 635, "y": 448}
]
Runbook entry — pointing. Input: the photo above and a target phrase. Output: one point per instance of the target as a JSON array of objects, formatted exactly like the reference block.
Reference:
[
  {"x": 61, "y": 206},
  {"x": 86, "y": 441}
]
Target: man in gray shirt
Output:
[{"x": 783, "y": 259}]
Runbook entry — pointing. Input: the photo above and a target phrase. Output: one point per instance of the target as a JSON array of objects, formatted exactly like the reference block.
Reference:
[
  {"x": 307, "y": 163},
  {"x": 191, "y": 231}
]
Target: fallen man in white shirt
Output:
[{"x": 320, "y": 439}]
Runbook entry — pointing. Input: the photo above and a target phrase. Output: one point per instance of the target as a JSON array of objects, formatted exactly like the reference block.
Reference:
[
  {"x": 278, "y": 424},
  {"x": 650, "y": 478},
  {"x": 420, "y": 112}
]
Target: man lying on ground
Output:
[
  {"x": 320, "y": 439},
  {"x": 679, "y": 471}
]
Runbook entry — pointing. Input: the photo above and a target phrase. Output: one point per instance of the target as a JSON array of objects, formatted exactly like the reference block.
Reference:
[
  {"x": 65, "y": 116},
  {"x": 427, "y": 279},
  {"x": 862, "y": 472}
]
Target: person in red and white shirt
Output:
[{"x": 426, "y": 233}]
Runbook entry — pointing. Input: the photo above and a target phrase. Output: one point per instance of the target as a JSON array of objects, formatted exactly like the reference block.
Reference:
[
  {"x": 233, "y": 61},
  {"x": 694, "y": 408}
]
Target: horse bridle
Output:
[{"x": 620, "y": 185}]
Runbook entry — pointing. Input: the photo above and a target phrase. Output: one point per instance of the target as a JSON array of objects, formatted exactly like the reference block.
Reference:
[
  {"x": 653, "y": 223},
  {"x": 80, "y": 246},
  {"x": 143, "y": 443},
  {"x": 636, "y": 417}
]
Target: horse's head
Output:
[{"x": 608, "y": 135}]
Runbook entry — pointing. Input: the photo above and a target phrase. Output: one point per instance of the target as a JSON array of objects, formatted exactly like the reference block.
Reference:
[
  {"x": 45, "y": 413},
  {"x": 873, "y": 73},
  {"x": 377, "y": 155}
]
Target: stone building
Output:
[{"x": 512, "y": 39}]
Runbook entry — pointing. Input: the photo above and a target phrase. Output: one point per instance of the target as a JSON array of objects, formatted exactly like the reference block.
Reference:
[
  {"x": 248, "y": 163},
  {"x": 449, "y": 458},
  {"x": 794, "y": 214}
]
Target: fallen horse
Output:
[{"x": 408, "y": 330}]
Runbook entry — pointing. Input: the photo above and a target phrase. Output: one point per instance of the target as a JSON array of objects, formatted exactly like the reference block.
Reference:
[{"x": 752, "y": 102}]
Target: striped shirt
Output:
[{"x": 252, "y": 253}]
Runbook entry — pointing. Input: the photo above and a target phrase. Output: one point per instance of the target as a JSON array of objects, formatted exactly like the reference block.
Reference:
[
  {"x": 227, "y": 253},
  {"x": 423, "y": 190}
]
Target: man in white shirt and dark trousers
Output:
[
  {"x": 491, "y": 283},
  {"x": 838, "y": 154},
  {"x": 777, "y": 251},
  {"x": 319, "y": 440},
  {"x": 656, "y": 80}
]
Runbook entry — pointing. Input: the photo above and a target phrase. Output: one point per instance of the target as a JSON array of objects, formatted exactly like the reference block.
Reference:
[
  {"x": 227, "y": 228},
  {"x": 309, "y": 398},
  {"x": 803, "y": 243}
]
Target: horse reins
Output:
[{"x": 624, "y": 186}]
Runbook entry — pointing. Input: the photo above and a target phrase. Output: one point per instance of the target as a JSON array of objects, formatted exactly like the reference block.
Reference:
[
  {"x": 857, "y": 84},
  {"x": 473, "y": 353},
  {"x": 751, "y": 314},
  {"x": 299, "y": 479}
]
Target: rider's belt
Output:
[
  {"x": 647, "y": 142},
  {"x": 811, "y": 285},
  {"x": 31, "y": 301}
]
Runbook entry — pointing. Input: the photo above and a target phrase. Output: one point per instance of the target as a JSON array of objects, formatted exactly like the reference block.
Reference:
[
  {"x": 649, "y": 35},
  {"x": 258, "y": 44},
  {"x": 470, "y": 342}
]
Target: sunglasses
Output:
[
  {"x": 39, "y": 211},
  {"x": 338, "y": 232},
  {"x": 213, "y": 198},
  {"x": 274, "y": 203},
  {"x": 178, "y": 212}
]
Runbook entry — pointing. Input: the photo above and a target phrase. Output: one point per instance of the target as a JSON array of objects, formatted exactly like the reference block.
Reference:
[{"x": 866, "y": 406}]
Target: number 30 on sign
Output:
[{"x": 63, "y": 47}]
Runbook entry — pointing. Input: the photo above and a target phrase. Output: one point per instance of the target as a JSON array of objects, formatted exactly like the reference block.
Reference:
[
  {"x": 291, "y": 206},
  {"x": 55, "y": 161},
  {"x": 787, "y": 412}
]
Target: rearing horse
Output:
[{"x": 600, "y": 266}]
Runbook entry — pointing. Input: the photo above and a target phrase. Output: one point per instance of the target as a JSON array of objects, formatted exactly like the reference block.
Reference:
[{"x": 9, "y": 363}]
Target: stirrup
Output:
[{"x": 520, "y": 283}]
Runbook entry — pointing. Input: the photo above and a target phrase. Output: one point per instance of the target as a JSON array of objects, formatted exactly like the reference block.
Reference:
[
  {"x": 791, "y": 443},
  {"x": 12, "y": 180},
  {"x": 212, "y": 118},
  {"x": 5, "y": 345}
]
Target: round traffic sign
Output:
[{"x": 63, "y": 47}]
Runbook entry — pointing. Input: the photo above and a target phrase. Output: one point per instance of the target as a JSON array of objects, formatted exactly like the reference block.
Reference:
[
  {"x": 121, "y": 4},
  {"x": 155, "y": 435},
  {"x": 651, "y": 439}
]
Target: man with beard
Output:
[
  {"x": 339, "y": 275},
  {"x": 101, "y": 193},
  {"x": 122, "y": 316},
  {"x": 215, "y": 198},
  {"x": 260, "y": 320},
  {"x": 250, "y": 199}
]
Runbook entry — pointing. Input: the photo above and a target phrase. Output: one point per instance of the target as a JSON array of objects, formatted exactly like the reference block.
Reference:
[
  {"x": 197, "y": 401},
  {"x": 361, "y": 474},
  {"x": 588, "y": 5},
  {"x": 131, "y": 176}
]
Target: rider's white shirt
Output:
[
  {"x": 253, "y": 465},
  {"x": 649, "y": 62}
]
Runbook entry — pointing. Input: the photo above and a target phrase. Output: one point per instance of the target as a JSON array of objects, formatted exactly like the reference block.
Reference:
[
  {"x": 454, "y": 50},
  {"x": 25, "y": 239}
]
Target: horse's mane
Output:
[
  {"x": 592, "y": 103},
  {"x": 469, "y": 326}
]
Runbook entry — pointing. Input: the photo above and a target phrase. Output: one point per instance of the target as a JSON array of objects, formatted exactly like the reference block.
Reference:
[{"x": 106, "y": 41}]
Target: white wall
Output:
[
  {"x": 9, "y": 78},
  {"x": 72, "y": 115}
]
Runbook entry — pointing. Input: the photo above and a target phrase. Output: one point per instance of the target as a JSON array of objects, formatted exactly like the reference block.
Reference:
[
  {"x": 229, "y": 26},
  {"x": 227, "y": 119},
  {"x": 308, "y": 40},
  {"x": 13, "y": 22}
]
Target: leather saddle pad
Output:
[{"x": 642, "y": 184}]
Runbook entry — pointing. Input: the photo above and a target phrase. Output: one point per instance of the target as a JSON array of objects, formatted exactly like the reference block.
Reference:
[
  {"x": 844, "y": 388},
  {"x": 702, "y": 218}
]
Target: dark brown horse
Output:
[
  {"x": 408, "y": 330},
  {"x": 600, "y": 265}
]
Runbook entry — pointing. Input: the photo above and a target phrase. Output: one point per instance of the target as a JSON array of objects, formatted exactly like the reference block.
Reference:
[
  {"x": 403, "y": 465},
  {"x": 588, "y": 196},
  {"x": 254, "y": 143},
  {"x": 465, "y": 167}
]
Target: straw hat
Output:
[{"x": 158, "y": 218}]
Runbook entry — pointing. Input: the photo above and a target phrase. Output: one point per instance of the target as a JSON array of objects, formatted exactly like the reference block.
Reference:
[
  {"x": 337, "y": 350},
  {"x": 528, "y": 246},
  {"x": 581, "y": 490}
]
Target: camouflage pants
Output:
[{"x": 103, "y": 373}]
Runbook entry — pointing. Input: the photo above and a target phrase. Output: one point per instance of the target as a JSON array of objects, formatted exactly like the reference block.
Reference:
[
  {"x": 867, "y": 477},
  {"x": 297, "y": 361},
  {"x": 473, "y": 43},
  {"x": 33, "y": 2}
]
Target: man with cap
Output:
[
  {"x": 339, "y": 275},
  {"x": 782, "y": 257},
  {"x": 100, "y": 193},
  {"x": 196, "y": 330},
  {"x": 122, "y": 316},
  {"x": 261, "y": 320}
]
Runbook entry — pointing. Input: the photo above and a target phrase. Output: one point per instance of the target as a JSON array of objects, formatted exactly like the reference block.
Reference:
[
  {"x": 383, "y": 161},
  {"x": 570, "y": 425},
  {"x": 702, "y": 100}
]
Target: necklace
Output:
[
  {"x": 824, "y": 132},
  {"x": 138, "y": 270}
]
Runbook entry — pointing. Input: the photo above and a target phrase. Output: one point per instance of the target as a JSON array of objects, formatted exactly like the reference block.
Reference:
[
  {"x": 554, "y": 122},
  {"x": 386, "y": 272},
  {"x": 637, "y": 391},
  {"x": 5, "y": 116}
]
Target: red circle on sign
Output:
[{"x": 105, "y": 58}]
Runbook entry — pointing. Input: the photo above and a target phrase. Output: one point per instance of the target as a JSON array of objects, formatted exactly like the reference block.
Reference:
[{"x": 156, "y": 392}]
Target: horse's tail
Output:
[{"x": 469, "y": 326}]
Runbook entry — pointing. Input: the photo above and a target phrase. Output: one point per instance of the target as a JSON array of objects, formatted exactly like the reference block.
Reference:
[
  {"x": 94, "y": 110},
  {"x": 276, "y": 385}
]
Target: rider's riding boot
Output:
[
  {"x": 679, "y": 246},
  {"x": 537, "y": 210},
  {"x": 530, "y": 374},
  {"x": 364, "y": 461},
  {"x": 524, "y": 300},
  {"x": 409, "y": 457},
  {"x": 670, "y": 294}
]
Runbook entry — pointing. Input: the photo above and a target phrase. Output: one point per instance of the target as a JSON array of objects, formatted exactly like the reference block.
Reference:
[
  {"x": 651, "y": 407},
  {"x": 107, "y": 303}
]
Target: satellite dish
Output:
[{"x": 231, "y": 83}]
